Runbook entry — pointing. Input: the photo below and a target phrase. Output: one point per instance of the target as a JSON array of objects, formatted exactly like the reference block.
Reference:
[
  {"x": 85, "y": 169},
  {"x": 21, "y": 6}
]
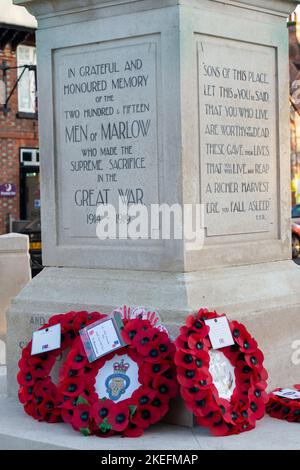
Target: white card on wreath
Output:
[
  {"x": 290, "y": 393},
  {"x": 219, "y": 332},
  {"x": 46, "y": 340},
  {"x": 104, "y": 338}
]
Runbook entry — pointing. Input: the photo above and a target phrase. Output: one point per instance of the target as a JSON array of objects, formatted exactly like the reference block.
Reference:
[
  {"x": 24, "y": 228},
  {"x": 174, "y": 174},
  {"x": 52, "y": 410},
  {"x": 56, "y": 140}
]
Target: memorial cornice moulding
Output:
[{"x": 45, "y": 8}]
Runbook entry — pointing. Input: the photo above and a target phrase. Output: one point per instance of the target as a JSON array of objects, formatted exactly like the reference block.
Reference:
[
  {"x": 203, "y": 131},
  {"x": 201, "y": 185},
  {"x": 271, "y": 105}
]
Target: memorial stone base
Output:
[{"x": 265, "y": 297}]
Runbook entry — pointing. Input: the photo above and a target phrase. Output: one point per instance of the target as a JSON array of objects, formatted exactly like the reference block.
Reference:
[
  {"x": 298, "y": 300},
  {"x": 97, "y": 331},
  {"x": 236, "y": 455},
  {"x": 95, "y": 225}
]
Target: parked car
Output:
[
  {"x": 33, "y": 230},
  {"x": 296, "y": 231}
]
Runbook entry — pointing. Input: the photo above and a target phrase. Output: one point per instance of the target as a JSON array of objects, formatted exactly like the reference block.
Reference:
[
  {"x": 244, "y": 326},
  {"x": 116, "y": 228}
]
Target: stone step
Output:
[{"x": 19, "y": 431}]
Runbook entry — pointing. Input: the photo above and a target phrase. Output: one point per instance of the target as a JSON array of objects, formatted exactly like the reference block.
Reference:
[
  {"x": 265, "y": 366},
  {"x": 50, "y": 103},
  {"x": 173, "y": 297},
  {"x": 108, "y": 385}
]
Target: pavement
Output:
[{"x": 18, "y": 432}]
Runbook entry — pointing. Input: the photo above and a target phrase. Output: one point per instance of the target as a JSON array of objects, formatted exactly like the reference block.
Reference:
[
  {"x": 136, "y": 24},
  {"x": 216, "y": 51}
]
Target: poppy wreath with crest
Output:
[
  {"x": 247, "y": 402},
  {"x": 284, "y": 408},
  {"x": 39, "y": 395},
  {"x": 153, "y": 352}
]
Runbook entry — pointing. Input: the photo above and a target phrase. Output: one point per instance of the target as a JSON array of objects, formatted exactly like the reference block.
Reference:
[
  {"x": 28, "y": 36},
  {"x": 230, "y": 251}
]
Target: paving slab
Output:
[{"x": 19, "y": 431}]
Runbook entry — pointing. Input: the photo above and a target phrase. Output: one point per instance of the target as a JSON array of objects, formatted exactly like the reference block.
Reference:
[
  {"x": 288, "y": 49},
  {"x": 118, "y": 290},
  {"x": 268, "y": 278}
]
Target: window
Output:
[
  {"x": 29, "y": 157},
  {"x": 26, "y": 55}
]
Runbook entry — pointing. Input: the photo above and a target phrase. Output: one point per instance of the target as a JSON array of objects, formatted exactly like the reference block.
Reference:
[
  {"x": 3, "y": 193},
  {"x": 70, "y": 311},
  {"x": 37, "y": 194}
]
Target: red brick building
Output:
[{"x": 19, "y": 156}]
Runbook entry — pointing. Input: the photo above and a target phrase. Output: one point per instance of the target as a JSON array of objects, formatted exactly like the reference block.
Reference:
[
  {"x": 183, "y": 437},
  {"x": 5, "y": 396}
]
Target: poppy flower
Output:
[
  {"x": 118, "y": 418},
  {"x": 101, "y": 410},
  {"x": 31, "y": 410},
  {"x": 143, "y": 342},
  {"x": 191, "y": 360},
  {"x": 145, "y": 416},
  {"x": 186, "y": 331},
  {"x": 259, "y": 375},
  {"x": 220, "y": 427},
  {"x": 26, "y": 378},
  {"x": 243, "y": 338},
  {"x": 199, "y": 327},
  {"x": 81, "y": 416},
  {"x": 165, "y": 346},
  {"x": 67, "y": 411},
  {"x": 82, "y": 319},
  {"x": 76, "y": 358},
  {"x": 93, "y": 317},
  {"x": 189, "y": 377},
  {"x": 185, "y": 359},
  {"x": 143, "y": 396},
  {"x": 67, "y": 319},
  {"x": 209, "y": 419},
  {"x": 55, "y": 319},
  {"x": 48, "y": 407},
  {"x": 194, "y": 393},
  {"x": 232, "y": 353},
  {"x": 225, "y": 408},
  {"x": 40, "y": 369},
  {"x": 242, "y": 427},
  {"x": 132, "y": 327},
  {"x": 181, "y": 343},
  {"x": 25, "y": 393},
  {"x": 258, "y": 392},
  {"x": 133, "y": 431},
  {"x": 243, "y": 371},
  {"x": 204, "y": 406},
  {"x": 46, "y": 391},
  {"x": 257, "y": 409},
  {"x": 166, "y": 389},
  {"x": 171, "y": 372},
  {"x": 103, "y": 433},
  {"x": 144, "y": 336},
  {"x": 148, "y": 370},
  {"x": 198, "y": 343},
  {"x": 54, "y": 416},
  {"x": 255, "y": 359},
  {"x": 161, "y": 405},
  {"x": 204, "y": 314},
  {"x": 72, "y": 387}
]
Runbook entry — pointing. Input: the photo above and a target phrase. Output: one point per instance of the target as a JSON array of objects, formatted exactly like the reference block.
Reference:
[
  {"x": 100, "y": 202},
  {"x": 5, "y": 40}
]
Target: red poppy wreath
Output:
[
  {"x": 224, "y": 388},
  {"x": 284, "y": 408},
  {"x": 125, "y": 391},
  {"x": 37, "y": 392}
]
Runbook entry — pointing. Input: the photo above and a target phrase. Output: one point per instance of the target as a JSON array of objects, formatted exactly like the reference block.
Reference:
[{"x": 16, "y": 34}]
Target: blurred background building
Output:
[
  {"x": 19, "y": 147},
  {"x": 294, "y": 34}
]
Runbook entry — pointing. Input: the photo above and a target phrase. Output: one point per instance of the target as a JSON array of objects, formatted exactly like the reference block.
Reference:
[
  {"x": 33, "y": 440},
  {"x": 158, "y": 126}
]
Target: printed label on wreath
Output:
[
  {"x": 222, "y": 372},
  {"x": 117, "y": 379},
  {"x": 219, "y": 332},
  {"x": 290, "y": 393},
  {"x": 102, "y": 337},
  {"x": 46, "y": 340}
]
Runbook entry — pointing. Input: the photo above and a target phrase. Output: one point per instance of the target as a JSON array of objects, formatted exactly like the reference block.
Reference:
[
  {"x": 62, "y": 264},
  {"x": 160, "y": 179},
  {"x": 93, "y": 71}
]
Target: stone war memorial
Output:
[{"x": 174, "y": 103}]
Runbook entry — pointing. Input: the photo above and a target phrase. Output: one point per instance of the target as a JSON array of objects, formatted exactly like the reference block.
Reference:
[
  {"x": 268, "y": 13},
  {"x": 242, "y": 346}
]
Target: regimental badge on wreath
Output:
[{"x": 117, "y": 383}]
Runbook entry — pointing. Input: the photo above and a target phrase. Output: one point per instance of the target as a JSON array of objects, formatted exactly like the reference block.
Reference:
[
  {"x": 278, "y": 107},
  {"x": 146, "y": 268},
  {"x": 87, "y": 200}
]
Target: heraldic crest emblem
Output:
[{"x": 117, "y": 383}]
